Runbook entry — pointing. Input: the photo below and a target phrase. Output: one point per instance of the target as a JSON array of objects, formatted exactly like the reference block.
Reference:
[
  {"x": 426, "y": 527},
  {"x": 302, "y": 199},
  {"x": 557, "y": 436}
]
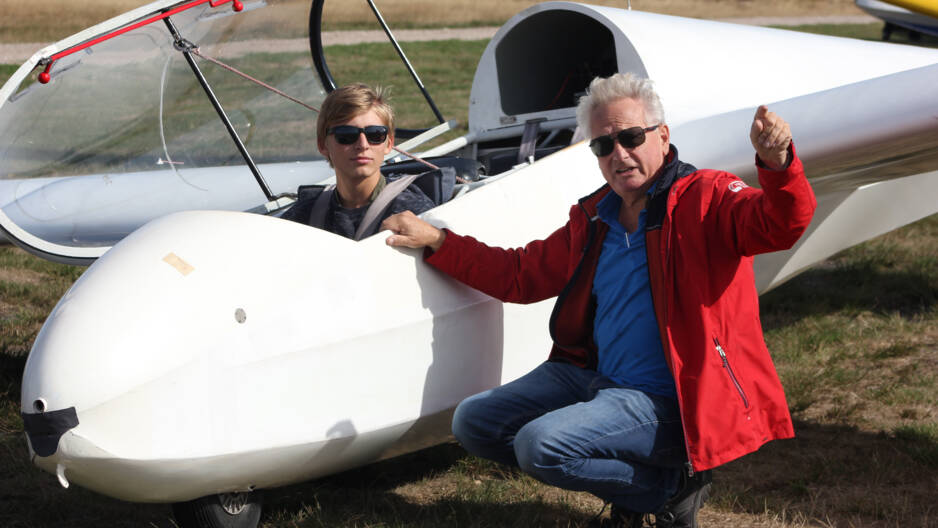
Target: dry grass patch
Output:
[
  {"x": 458, "y": 13},
  {"x": 20, "y": 276},
  {"x": 29, "y": 288},
  {"x": 879, "y": 374},
  {"x": 856, "y": 344},
  {"x": 405, "y": 13},
  {"x": 50, "y": 20}
]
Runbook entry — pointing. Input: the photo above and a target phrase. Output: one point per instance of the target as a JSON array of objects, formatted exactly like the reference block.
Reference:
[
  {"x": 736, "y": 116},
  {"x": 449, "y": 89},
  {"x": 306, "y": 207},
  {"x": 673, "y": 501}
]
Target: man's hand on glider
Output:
[{"x": 410, "y": 231}]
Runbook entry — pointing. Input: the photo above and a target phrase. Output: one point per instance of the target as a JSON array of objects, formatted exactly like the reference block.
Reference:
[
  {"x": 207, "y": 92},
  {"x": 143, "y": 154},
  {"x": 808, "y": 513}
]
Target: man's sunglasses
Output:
[
  {"x": 347, "y": 134},
  {"x": 629, "y": 138}
]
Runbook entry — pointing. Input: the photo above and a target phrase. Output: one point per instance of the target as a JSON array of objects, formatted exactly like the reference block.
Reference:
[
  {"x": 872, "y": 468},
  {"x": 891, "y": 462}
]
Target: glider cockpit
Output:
[
  {"x": 117, "y": 130},
  {"x": 109, "y": 129},
  {"x": 122, "y": 132}
]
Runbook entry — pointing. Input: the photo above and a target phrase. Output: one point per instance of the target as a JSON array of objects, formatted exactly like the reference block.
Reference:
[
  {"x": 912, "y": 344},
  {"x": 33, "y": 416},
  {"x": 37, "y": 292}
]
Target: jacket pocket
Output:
[{"x": 729, "y": 372}]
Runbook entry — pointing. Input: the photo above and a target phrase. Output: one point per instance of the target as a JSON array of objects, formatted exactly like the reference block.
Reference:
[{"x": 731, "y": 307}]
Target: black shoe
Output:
[
  {"x": 681, "y": 510},
  {"x": 619, "y": 518}
]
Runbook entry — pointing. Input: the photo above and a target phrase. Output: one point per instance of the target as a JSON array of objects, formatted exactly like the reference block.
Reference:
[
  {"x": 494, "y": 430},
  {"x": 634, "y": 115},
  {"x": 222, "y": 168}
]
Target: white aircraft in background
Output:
[{"x": 208, "y": 352}]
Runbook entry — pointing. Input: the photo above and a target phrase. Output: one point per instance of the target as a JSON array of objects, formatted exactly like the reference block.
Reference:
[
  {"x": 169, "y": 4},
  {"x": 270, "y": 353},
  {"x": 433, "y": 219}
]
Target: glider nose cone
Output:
[{"x": 46, "y": 428}]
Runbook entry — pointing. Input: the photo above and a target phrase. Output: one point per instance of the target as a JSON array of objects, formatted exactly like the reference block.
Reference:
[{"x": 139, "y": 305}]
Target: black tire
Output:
[{"x": 226, "y": 510}]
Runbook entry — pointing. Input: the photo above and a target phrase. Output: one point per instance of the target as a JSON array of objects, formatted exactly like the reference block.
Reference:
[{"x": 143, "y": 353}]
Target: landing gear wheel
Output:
[
  {"x": 887, "y": 30},
  {"x": 225, "y": 510}
]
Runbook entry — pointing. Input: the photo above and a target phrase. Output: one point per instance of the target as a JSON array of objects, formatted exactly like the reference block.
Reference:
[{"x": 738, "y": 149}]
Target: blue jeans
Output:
[{"x": 576, "y": 429}]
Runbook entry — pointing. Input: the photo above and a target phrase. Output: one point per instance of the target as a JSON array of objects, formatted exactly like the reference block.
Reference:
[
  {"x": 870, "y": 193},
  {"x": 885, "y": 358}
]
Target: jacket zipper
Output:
[
  {"x": 666, "y": 221},
  {"x": 688, "y": 466},
  {"x": 729, "y": 370},
  {"x": 666, "y": 245}
]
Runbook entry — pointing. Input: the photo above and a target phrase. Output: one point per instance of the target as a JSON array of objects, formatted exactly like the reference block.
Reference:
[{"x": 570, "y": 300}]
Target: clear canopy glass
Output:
[{"x": 125, "y": 133}]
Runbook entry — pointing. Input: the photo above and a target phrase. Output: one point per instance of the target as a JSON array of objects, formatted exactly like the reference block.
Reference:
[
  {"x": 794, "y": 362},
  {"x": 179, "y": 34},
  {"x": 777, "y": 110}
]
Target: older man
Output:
[{"x": 659, "y": 371}]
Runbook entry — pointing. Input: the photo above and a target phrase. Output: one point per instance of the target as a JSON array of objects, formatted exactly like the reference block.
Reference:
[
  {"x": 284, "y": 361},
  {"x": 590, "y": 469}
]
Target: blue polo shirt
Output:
[{"x": 625, "y": 328}]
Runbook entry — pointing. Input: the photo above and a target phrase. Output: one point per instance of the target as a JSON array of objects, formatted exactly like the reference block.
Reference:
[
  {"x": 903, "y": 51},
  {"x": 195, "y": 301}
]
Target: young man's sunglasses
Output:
[
  {"x": 629, "y": 138},
  {"x": 347, "y": 134}
]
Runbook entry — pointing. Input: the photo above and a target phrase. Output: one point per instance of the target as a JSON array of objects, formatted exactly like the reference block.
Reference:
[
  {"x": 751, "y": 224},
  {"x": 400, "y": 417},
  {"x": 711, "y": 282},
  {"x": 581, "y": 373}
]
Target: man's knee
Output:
[
  {"x": 471, "y": 421},
  {"x": 462, "y": 421},
  {"x": 535, "y": 449}
]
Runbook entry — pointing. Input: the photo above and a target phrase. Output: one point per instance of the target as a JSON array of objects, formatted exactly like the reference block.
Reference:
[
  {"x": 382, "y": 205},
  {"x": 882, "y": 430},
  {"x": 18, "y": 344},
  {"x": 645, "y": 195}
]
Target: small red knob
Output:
[
  {"x": 44, "y": 77},
  {"x": 238, "y": 5}
]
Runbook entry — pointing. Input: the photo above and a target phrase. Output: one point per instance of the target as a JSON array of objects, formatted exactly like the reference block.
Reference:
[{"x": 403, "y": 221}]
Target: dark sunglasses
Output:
[
  {"x": 629, "y": 138},
  {"x": 347, "y": 134}
]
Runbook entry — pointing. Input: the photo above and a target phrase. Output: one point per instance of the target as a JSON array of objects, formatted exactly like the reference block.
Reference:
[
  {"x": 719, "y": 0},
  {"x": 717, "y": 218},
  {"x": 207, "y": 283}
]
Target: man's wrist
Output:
[
  {"x": 438, "y": 242},
  {"x": 771, "y": 165}
]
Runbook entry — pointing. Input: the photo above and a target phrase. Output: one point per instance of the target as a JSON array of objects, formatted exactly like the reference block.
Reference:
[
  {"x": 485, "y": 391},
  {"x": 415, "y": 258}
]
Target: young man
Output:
[{"x": 355, "y": 130}]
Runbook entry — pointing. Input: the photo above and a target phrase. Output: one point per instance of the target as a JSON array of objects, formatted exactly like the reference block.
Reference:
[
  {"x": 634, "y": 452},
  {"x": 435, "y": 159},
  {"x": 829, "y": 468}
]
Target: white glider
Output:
[{"x": 209, "y": 353}]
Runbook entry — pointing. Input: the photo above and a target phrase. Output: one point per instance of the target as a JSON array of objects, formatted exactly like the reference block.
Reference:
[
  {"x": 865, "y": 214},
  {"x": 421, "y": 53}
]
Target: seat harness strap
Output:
[
  {"x": 380, "y": 205},
  {"x": 317, "y": 215}
]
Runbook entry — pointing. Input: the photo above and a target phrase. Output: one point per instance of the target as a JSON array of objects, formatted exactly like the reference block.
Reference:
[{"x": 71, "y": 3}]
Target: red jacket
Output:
[{"x": 702, "y": 229}]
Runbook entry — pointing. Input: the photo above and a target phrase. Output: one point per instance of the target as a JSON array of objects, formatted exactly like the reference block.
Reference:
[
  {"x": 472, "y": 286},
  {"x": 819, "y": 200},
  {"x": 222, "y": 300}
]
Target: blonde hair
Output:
[
  {"x": 346, "y": 102},
  {"x": 603, "y": 91}
]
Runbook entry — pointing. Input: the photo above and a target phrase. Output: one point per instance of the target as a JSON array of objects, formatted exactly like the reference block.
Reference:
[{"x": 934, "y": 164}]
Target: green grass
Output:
[
  {"x": 855, "y": 342},
  {"x": 446, "y": 68},
  {"x": 6, "y": 70},
  {"x": 34, "y": 285},
  {"x": 864, "y": 323},
  {"x": 920, "y": 441},
  {"x": 29, "y": 288}
]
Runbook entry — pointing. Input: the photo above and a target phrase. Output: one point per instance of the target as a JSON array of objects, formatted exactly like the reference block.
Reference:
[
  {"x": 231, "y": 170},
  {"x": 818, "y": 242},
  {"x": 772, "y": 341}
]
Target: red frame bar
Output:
[{"x": 237, "y": 5}]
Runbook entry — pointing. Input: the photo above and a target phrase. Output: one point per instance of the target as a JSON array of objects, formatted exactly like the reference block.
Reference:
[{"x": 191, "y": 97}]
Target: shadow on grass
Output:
[
  {"x": 364, "y": 497},
  {"x": 851, "y": 287},
  {"x": 836, "y": 476},
  {"x": 32, "y": 498},
  {"x": 828, "y": 476},
  {"x": 11, "y": 372},
  {"x": 442, "y": 486}
]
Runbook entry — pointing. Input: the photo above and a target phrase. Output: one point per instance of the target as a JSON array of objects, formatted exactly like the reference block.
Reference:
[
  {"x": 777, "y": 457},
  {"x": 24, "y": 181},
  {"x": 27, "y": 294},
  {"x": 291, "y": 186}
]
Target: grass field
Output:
[
  {"x": 50, "y": 20},
  {"x": 855, "y": 341}
]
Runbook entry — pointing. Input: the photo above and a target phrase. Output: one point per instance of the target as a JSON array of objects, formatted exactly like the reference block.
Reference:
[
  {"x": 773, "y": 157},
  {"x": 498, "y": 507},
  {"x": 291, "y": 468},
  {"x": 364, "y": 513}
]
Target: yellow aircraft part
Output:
[{"x": 925, "y": 7}]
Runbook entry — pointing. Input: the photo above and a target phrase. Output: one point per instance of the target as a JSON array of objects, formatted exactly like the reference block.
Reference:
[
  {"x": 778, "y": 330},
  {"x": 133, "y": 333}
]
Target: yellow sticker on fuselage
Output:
[{"x": 181, "y": 266}]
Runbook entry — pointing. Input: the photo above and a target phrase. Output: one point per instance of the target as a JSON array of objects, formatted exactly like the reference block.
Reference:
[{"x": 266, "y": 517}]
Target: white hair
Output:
[{"x": 603, "y": 91}]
